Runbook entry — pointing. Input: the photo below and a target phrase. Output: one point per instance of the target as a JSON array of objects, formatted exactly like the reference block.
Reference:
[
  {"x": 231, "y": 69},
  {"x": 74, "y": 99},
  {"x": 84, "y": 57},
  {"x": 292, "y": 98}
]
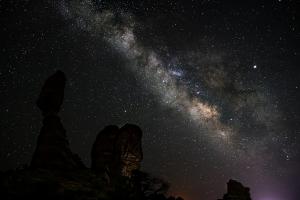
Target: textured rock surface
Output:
[
  {"x": 236, "y": 191},
  {"x": 118, "y": 151},
  {"x": 52, "y": 150},
  {"x": 129, "y": 146}
]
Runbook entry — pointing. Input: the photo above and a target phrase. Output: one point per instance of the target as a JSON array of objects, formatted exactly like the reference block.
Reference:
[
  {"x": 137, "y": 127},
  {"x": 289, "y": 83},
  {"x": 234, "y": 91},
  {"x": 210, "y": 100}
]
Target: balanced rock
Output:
[
  {"x": 118, "y": 151},
  {"x": 52, "y": 150},
  {"x": 236, "y": 191},
  {"x": 52, "y": 94}
]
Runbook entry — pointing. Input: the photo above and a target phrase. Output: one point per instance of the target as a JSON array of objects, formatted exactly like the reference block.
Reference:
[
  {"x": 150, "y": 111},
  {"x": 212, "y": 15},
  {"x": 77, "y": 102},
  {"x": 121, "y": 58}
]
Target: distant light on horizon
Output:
[{"x": 270, "y": 198}]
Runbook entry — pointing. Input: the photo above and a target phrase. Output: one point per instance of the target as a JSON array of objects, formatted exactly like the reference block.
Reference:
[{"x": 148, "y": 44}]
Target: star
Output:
[
  {"x": 191, "y": 84},
  {"x": 178, "y": 73}
]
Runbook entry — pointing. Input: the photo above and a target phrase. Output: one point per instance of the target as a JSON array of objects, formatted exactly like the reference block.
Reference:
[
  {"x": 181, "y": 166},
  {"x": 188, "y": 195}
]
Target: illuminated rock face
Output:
[
  {"x": 129, "y": 145},
  {"x": 236, "y": 191},
  {"x": 118, "y": 151},
  {"x": 52, "y": 150}
]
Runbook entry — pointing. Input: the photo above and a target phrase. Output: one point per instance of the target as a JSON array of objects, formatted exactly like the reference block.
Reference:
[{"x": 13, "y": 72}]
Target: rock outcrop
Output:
[
  {"x": 129, "y": 148},
  {"x": 56, "y": 173},
  {"x": 236, "y": 191},
  {"x": 104, "y": 150},
  {"x": 118, "y": 151},
  {"x": 52, "y": 150}
]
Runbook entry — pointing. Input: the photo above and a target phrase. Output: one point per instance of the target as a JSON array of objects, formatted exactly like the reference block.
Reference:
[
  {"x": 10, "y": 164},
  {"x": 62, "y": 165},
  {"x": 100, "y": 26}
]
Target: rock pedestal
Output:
[{"x": 52, "y": 150}]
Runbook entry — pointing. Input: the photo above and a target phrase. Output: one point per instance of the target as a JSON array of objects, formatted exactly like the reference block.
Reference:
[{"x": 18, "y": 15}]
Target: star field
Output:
[{"x": 213, "y": 85}]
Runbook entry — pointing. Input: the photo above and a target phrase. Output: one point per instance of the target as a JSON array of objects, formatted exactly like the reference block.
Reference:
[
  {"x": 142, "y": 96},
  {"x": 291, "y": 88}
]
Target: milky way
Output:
[
  {"x": 148, "y": 66},
  {"x": 170, "y": 86},
  {"x": 211, "y": 84}
]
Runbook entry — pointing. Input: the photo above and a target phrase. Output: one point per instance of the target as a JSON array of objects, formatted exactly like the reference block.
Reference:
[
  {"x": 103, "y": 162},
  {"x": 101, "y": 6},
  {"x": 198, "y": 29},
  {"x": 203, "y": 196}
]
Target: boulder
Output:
[
  {"x": 118, "y": 151},
  {"x": 52, "y": 94},
  {"x": 104, "y": 150},
  {"x": 236, "y": 191}
]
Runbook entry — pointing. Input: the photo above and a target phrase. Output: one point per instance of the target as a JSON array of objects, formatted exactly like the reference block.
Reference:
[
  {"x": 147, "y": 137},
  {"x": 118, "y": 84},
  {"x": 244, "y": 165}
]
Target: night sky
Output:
[{"x": 213, "y": 85}]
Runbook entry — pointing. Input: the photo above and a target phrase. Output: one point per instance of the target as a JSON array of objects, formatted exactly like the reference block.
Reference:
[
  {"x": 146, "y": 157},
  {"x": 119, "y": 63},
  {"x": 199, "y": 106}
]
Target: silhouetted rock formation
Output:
[
  {"x": 57, "y": 173},
  {"x": 52, "y": 150},
  {"x": 236, "y": 191},
  {"x": 118, "y": 151},
  {"x": 52, "y": 94},
  {"x": 104, "y": 150}
]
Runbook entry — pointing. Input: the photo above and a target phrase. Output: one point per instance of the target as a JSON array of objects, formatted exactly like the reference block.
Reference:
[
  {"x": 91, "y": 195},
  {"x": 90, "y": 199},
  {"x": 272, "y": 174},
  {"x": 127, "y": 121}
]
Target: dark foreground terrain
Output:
[{"x": 55, "y": 172}]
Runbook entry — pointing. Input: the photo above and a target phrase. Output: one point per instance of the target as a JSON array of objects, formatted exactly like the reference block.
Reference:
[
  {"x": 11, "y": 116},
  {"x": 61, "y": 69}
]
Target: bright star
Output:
[{"x": 177, "y": 72}]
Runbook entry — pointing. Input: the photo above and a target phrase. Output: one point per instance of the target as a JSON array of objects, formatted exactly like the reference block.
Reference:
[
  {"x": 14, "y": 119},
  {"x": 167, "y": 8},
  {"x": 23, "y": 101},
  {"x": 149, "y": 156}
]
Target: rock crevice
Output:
[{"x": 118, "y": 151}]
